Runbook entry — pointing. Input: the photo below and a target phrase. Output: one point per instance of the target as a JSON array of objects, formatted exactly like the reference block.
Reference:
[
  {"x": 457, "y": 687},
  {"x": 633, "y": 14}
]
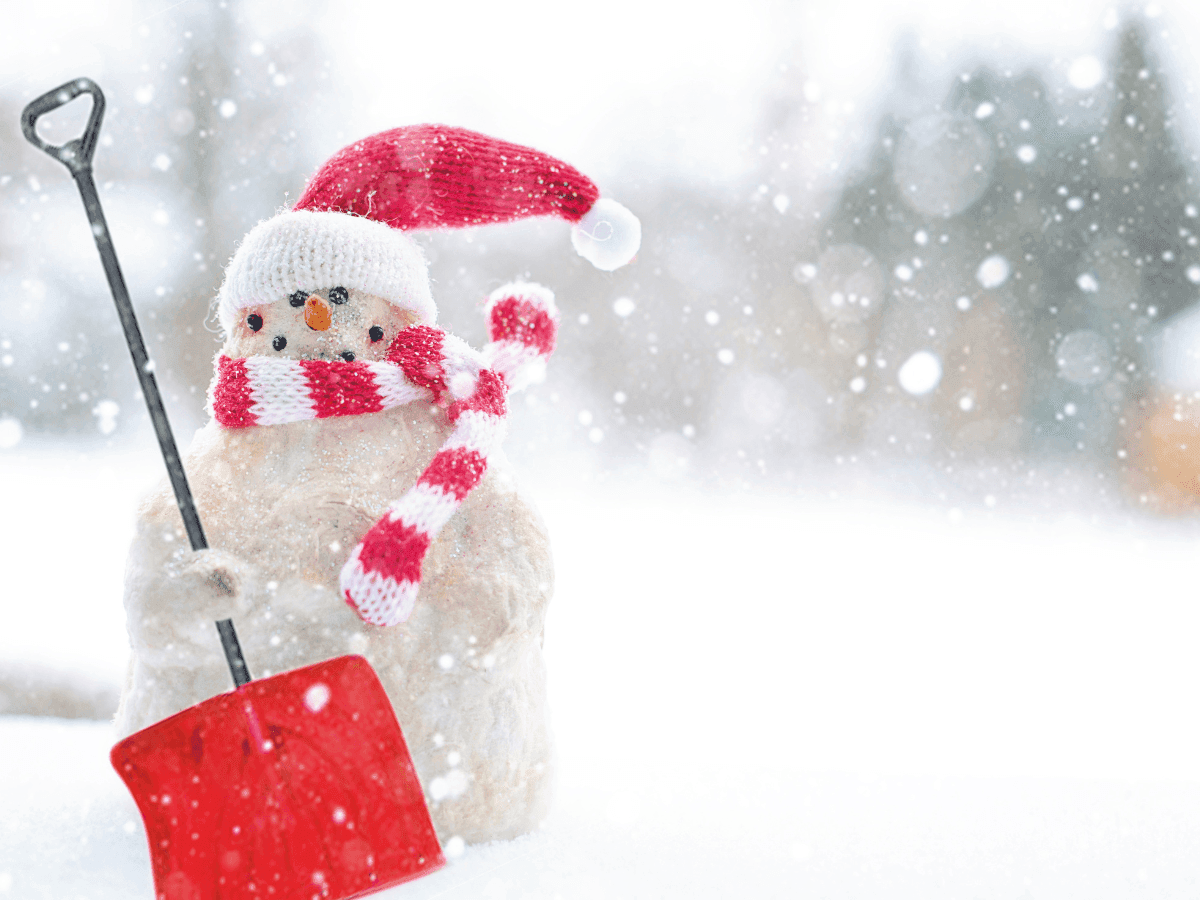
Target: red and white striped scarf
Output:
[{"x": 382, "y": 576}]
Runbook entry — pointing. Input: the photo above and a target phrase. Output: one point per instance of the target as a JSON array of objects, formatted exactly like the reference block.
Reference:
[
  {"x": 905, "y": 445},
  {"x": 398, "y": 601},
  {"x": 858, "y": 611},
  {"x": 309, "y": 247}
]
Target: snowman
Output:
[{"x": 351, "y": 481}]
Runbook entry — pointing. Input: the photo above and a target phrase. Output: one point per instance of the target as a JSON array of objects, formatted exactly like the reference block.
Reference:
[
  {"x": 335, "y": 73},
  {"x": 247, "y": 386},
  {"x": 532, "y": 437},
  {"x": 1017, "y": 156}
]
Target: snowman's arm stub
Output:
[
  {"x": 218, "y": 581},
  {"x": 173, "y": 594}
]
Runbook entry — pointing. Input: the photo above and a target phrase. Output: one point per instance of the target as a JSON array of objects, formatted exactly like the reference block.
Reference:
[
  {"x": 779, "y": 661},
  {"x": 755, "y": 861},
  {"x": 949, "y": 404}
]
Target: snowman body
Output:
[
  {"x": 282, "y": 507},
  {"x": 340, "y": 523}
]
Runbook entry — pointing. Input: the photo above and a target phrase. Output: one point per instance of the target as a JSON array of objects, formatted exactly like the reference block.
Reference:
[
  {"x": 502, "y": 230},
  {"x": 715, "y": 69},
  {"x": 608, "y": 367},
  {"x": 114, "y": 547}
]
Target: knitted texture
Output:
[
  {"x": 347, "y": 227},
  {"x": 381, "y": 578},
  {"x": 522, "y": 326},
  {"x": 436, "y": 176},
  {"x": 310, "y": 251}
]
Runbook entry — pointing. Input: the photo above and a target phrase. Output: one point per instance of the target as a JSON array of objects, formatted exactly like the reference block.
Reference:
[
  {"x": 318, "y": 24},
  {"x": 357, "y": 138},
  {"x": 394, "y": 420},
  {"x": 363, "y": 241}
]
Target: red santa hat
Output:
[{"x": 349, "y": 227}]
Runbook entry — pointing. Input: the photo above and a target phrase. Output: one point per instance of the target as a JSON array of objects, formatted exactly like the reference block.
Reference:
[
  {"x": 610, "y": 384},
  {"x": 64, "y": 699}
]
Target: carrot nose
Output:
[{"x": 316, "y": 313}]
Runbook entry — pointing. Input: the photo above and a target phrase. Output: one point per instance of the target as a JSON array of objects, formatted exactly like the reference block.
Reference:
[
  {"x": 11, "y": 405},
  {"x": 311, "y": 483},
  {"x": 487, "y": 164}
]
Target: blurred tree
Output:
[
  {"x": 995, "y": 274},
  {"x": 199, "y": 143},
  {"x": 55, "y": 338},
  {"x": 980, "y": 282},
  {"x": 226, "y": 121}
]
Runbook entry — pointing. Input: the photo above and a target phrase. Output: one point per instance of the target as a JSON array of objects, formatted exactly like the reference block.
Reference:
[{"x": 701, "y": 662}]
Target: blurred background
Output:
[
  {"x": 882, "y": 456},
  {"x": 898, "y": 249}
]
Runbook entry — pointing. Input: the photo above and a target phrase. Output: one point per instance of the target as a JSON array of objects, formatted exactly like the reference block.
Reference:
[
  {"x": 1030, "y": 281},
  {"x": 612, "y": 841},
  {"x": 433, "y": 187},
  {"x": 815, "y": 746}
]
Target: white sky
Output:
[{"x": 586, "y": 81}]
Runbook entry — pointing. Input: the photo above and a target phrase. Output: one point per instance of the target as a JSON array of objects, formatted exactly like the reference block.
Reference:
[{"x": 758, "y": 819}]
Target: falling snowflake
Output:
[
  {"x": 921, "y": 373},
  {"x": 993, "y": 272}
]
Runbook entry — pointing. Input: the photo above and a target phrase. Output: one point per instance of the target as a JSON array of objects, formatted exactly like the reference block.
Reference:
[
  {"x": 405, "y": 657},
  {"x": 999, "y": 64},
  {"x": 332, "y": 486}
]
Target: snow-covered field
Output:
[{"x": 753, "y": 696}]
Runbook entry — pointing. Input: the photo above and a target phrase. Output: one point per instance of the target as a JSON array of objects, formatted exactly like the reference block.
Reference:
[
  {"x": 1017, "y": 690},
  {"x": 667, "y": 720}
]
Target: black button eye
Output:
[
  {"x": 338, "y": 295},
  {"x": 376, "y": 334},
  {"x": 254, "y": 320},
  {"x": 348, "y": 355},
  {"x": 280, "y": 342},
  {"x": 298, "y": 299}
]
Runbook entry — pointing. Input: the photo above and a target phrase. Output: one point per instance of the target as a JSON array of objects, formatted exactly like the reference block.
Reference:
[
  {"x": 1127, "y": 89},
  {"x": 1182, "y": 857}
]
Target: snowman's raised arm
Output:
[
  {"x": 173, "y": 593},
  {"x": 523, "y": 328},
  {"x": 383, "y": 574}
]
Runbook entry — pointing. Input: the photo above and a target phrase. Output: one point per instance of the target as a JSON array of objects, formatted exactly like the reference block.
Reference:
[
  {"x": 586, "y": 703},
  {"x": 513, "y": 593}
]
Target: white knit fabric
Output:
[
  {"x": 477, "y": 431},
  {"x": 280, "y": 391},
  {"x": 381, "y": 600},
  {"x": 305, "y": 250},
  {"x": 425, "y": 507},
  {"x": 520, "y": 364},
  {"x": 463, "y": 365},
  {"x": 394, "y": 389}
]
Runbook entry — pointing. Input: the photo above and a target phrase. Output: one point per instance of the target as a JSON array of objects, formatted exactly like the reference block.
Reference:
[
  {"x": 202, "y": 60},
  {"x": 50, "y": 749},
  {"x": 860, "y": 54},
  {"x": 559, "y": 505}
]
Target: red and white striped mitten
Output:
[{"x": 522, "y": 327}]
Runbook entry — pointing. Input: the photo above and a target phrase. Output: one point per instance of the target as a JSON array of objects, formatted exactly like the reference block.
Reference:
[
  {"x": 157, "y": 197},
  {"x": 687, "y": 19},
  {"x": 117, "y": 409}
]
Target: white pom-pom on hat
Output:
[{"x": 608, "y": 236}]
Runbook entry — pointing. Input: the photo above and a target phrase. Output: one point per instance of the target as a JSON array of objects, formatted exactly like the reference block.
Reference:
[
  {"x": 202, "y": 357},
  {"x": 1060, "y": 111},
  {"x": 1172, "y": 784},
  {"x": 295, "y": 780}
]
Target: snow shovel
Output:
[{"x": 295, "y": 786}]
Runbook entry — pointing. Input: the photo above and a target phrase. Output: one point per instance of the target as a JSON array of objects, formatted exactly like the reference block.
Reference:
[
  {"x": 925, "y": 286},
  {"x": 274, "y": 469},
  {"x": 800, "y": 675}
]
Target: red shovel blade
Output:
[{"x": 294, "y": 786}]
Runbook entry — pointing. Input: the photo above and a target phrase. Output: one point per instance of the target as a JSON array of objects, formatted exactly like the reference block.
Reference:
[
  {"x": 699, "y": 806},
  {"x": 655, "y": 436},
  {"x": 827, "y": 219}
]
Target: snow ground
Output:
[{"x": 767, "y": 697}]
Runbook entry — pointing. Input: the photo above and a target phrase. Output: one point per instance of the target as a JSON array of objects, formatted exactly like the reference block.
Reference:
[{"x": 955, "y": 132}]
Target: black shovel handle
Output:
[{"x": 76, "y": 155}]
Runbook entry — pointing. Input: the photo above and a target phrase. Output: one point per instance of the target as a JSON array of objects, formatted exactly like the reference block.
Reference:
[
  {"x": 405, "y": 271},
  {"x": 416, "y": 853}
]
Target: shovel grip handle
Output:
[{"x": 75, "y": 154}]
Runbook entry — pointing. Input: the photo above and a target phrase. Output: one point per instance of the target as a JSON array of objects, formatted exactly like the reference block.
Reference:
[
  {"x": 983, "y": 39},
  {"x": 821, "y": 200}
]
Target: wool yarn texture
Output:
[
  {"x": 382, "y": 576},
  {"x": 351, "y": 225}
]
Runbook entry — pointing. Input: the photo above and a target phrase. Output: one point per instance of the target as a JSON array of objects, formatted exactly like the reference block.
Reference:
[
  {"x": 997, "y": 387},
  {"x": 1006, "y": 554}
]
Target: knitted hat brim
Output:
[{"x": 303, "y": 250}]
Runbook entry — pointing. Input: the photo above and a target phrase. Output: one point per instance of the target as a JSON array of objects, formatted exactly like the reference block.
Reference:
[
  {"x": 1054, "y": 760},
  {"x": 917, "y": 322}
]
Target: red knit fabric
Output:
[
  {"x": 341, "y": 388},
  {"x": 435, "y": 176},
  {"x": 231, "y": 394},
  {"x": 395, "y": 550},
  {"x": 455, "y": 471},
  {"x": 518, "y": 319},
  {"x": 418, "y": 351},
  {"x": 488, "y": 397}
]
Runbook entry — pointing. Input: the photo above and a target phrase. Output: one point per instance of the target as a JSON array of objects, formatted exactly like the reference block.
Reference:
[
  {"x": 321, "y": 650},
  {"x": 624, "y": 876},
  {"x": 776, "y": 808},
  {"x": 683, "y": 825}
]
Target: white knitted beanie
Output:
[{"x": 303, "y": 250}]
